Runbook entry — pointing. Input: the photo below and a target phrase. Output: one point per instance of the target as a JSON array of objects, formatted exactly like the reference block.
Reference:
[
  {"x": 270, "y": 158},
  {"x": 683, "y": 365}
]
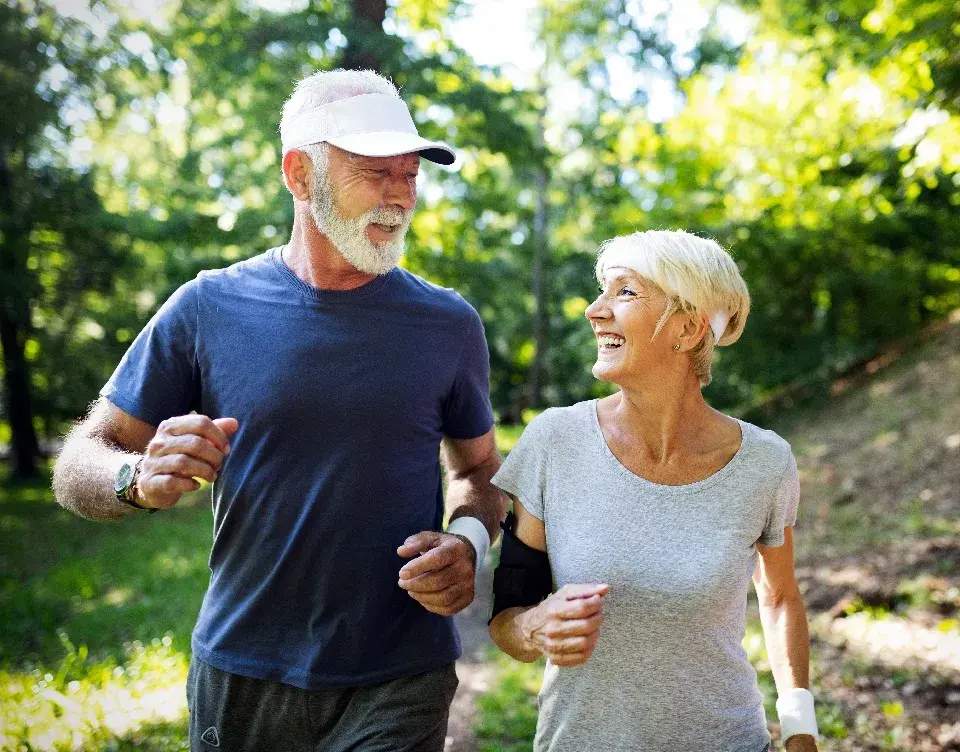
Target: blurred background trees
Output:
[{"x": 819, "y": 142}]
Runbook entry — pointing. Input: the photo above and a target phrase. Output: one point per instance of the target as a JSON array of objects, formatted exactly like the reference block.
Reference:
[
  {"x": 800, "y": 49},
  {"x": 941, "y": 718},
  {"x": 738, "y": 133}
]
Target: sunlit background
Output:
[{"x": 819, "y": 142}]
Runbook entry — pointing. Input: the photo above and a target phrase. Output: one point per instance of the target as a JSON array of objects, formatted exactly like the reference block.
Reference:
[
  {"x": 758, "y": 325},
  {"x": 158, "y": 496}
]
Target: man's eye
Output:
[{"x": 626, "y": 291}]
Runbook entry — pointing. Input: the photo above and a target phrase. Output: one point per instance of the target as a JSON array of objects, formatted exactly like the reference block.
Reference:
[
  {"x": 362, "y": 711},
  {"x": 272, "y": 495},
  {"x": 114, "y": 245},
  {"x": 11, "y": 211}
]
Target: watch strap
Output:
[{"x": 128, "y": 494}]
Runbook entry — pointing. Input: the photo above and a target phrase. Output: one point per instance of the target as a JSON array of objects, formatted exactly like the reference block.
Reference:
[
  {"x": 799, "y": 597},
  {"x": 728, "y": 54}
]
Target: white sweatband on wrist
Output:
[
  {"x": 795, "y": 709},
  {"x": 474, "y": 531}
]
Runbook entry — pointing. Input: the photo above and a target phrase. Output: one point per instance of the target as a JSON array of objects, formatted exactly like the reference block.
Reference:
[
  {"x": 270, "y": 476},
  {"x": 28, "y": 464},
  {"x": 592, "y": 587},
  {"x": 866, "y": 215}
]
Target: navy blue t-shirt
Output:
[{"x": 342, "y": 399}]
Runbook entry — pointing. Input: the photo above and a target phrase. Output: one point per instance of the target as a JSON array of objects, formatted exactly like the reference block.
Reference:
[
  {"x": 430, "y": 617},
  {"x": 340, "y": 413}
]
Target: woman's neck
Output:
[{"x": 666, "y": 418}]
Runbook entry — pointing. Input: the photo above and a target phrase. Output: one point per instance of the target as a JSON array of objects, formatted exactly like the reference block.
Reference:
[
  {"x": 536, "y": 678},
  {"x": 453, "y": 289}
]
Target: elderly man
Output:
[{"x": 313, "y": 386}]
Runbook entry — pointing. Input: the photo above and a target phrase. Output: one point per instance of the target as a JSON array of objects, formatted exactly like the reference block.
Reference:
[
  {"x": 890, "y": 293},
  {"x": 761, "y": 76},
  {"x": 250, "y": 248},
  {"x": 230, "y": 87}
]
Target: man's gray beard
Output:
[{"x": 349, "y": 236}]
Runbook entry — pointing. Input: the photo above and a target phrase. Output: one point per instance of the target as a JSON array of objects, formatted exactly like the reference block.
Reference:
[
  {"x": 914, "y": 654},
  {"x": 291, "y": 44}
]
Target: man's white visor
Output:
[{"x": 373, "y": 125}]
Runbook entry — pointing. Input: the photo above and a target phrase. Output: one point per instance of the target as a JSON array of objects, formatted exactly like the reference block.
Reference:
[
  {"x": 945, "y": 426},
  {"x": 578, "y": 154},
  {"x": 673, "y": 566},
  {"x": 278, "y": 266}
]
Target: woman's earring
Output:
[{"x": 676, "y": 346}]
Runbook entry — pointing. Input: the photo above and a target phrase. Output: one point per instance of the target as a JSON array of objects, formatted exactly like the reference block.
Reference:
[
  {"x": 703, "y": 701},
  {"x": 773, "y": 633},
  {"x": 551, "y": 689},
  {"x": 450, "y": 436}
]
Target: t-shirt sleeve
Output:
[
  {"x": 467, "y": 412},
  {"x": 158, "y": 376},
  {"x": 524, "y": 471},
  {"x": 783, "y": 509}
]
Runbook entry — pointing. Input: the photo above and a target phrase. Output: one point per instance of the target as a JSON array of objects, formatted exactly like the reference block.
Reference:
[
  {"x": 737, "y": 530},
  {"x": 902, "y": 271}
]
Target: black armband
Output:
[{"x": 523, "y": 576}]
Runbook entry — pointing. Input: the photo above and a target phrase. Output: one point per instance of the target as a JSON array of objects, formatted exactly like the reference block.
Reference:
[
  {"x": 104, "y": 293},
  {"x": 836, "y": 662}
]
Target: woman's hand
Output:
[
  {"x": 801, "y": 743},
  {"x": 565, "y": 626}
]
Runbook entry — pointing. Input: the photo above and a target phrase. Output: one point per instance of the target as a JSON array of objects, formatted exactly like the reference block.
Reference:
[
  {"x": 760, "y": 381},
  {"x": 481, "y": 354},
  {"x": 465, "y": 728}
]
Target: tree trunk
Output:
[
  {"x": 16, "y": 389},
  {"x": 14, "y": 324},
  {"x": 541, "y": 224},
  {"x": 366, "y": 28},
  {"x": 538, "y": 287}
]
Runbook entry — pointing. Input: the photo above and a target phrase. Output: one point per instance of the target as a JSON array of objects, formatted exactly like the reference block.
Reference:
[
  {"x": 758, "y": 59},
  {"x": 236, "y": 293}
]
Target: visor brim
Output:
[{"x": 392, "y": 143}]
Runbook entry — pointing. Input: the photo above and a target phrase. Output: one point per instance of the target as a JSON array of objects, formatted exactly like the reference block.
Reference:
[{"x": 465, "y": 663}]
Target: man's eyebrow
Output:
[{"x": 367, "y": 163}]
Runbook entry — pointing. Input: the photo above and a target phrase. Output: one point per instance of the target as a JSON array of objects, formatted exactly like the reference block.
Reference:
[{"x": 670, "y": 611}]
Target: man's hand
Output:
[
  {"x": 441, "y": 577},
  {"x": 565, "y": 627},
  {"x": 184, "y": 448},
  {"x": 801, "y": 743}
]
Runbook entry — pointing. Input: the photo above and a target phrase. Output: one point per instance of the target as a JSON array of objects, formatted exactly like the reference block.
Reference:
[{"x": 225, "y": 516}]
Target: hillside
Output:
[{"x": 878, "y": 545}]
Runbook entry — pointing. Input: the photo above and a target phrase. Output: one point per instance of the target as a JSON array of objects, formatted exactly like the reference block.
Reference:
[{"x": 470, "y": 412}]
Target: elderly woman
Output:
[{"x": 653, "y": 510}]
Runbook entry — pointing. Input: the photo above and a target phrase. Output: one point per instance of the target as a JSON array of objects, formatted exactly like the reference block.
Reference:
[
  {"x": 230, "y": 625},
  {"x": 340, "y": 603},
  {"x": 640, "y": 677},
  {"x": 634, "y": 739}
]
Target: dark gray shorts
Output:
[{"x": 239, "y": 714}]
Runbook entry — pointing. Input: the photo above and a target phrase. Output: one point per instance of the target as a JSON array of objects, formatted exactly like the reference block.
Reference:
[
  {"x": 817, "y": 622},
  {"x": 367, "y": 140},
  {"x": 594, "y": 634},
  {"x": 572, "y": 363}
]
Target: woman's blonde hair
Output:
[{"x": 696, "y": 275}]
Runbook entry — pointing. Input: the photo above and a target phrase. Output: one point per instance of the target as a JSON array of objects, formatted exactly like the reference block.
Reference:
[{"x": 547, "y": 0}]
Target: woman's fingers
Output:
[
  {"x": 570, "y": 659},
  {"x": 585, "y": 590},
  {"x": 578, "y": 608},
  {"x": 572, "y": 651},
  {"x": 576, "y": 627}
]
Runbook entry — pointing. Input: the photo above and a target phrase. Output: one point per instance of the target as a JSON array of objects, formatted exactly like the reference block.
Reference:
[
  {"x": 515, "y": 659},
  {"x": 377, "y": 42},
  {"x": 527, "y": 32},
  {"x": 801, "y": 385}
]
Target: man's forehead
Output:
[{"x": 406, "y": 160}]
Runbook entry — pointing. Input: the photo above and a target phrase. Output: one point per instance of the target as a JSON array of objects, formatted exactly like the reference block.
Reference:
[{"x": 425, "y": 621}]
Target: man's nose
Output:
[{"x": 402, "y": 191}]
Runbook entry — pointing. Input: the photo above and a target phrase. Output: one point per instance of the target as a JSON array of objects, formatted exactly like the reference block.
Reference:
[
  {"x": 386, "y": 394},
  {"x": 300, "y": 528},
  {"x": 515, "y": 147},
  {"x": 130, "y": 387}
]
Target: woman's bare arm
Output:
[
  {"x": 784, "y": 620},
  {"x": 564, "y": 627}
]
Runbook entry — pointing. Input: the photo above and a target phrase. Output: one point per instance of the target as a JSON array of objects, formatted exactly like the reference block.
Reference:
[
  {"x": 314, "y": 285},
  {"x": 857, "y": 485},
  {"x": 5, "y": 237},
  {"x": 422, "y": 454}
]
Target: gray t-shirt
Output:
[{"x": 669, "y": 673}]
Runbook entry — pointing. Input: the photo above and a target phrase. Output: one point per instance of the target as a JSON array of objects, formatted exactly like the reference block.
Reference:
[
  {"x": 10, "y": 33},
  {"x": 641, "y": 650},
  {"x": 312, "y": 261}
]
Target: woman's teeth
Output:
[{"x": 608, "y": 340}]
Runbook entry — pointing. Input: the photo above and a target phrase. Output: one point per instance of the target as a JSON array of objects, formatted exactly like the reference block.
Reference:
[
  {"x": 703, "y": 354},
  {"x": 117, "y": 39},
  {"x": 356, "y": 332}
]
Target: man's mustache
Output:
[{"x": 390, "y": 216}]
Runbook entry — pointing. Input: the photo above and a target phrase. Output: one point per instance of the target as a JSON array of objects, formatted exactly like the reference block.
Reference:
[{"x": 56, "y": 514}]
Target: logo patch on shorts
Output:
[{"x": 211, "y": 737}]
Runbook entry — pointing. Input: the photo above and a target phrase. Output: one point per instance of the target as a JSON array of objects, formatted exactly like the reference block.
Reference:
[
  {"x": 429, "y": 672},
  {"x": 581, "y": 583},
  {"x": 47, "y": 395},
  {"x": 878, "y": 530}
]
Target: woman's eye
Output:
[{"x": 626, "y": 291}]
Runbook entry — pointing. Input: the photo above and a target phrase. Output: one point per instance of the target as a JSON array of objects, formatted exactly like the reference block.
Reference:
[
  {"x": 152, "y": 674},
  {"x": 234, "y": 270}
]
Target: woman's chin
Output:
[{"x": 604, "y": 371}]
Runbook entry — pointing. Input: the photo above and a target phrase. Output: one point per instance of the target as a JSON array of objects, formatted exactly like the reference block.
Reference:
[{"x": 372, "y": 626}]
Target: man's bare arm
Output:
[
  {"x": 441, "y": 577},
  {"x": 175, "y": 454},
  {"x": 470, "y": 464},
  {"x": 92, "y": 454}
]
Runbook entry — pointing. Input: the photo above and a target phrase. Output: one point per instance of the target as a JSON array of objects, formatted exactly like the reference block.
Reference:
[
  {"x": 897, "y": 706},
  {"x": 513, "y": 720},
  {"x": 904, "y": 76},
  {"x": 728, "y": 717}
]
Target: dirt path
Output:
[{"x": 472, "y": 669}]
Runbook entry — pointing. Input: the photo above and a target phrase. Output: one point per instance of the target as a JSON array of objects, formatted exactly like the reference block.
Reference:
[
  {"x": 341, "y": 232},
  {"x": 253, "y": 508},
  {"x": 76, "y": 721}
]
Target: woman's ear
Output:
[{"x": 693, "y": 330}]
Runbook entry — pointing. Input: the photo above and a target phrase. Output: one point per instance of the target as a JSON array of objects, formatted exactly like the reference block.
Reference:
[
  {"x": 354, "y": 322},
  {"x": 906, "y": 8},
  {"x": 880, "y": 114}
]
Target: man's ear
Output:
[{"x": 296, "y": 174}]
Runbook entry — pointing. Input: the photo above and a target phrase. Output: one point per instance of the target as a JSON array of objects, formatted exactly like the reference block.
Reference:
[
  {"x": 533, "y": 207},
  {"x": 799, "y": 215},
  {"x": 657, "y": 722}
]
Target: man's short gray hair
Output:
[{"x": 324, "y": 87}]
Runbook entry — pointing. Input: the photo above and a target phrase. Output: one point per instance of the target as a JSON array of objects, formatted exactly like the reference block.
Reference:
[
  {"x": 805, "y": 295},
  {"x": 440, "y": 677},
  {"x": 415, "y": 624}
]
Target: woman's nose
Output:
[{"x": 597, "y": 309}]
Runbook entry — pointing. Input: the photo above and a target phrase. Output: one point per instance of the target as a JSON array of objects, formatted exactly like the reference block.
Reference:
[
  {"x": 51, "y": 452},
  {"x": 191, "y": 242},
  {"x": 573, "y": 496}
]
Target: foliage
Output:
[{"x": 820, "y": 146}]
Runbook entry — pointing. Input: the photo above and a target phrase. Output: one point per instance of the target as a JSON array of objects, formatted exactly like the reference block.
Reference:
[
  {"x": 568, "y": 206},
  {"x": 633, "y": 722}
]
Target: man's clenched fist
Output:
[
  {"x": 184, "y": 448},
  {"x": 441, "y": 577}
]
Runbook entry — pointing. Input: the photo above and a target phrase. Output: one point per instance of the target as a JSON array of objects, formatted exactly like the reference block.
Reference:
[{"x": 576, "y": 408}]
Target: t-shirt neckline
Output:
[
  {"x": 661, "y": 487},
  {"x": 317, "y": 294}
]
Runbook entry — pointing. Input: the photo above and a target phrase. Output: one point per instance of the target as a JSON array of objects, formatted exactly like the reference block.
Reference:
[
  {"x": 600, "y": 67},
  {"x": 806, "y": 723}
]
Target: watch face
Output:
[{"x": 124, "y": 476}]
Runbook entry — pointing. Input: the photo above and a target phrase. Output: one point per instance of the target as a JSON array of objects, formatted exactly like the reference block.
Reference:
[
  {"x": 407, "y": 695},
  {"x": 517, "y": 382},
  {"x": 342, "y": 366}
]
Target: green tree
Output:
[{"x": 52, "y": 245}]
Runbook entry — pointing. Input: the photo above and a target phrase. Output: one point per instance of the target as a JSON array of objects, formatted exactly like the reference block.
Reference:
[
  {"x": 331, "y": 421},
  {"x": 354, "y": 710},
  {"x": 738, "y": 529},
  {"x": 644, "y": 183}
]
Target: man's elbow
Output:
[{"x": 60, "y": 478}]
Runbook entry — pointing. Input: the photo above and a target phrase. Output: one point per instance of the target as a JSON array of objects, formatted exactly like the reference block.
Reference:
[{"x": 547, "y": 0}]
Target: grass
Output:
[
  {"x": 95, "y": 623},
  {"x": 507, "y": 716}
]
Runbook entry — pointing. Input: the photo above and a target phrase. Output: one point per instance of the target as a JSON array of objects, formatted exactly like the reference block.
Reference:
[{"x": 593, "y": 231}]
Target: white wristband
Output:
[
  {"x": 474, "y": 531},
  {"x": 795, "y": 709}
]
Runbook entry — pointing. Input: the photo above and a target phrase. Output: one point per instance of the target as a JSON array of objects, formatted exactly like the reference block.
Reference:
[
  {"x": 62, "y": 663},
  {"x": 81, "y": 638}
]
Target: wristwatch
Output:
[{"x": 125, "y": 482}]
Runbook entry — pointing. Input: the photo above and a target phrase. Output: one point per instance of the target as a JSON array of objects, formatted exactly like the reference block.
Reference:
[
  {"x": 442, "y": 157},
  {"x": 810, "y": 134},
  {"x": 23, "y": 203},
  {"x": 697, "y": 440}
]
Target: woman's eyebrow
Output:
[{"x": 614, "y": 280}]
